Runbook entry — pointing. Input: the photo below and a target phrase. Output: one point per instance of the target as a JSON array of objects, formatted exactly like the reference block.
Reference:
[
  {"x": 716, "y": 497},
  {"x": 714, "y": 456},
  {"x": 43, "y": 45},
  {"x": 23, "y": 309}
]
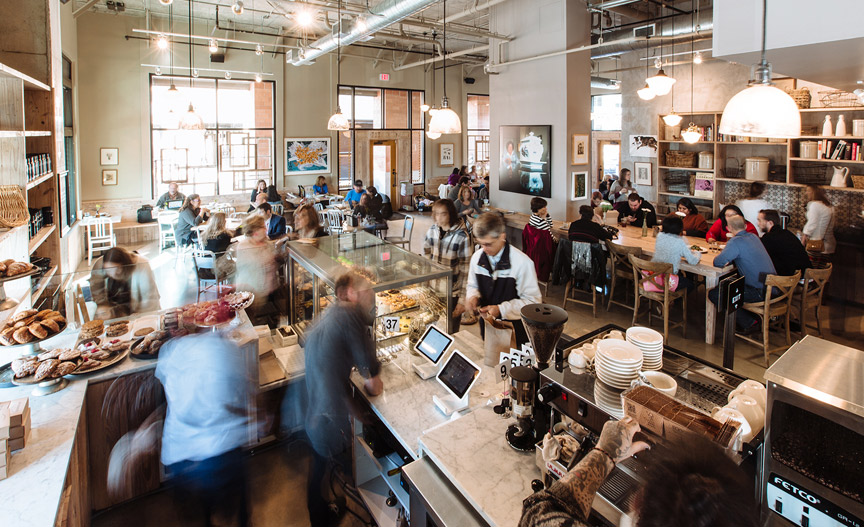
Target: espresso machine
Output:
[{"x": 544, "y": 324}]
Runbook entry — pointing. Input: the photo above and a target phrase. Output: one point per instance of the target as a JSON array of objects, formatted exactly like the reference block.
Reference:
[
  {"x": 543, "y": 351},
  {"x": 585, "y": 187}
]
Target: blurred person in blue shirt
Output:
[
  {"x": 353, "y": 195},
  {"x": 208, "y": 390}
]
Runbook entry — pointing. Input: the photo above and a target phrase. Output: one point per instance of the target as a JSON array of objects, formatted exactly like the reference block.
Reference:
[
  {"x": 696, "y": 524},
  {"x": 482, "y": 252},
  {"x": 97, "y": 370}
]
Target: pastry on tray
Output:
[
  {"x": 115, "y": 330},
  {"x": 143, "y": 331},
  {"x": 65, "y": 368},
  {"x": 92, "y": 329},
  {"x": 88, "y": 365},
  {"x": 50, "y": 354},
  {"x": 24, "y": 366},
  {"x": 72, "y": 354},
  {"x": 46, "y": 369}
]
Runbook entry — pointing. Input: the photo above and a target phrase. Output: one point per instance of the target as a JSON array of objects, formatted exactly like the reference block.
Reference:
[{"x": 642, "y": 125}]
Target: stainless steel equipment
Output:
[
  {"x": 813, "y": 467},
  {"x": 523, "y": 391},
  {"x": 544, "y": 324}
]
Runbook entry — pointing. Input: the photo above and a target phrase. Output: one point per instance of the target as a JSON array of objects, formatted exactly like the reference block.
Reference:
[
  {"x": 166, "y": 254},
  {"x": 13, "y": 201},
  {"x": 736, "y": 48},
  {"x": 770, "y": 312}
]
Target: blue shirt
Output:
[
  {"x": 746, "y": 251},
  {"x": 353, "y": 195},
  {"x": 670, "y": 248},
  {"x": 320, "y": 190}
]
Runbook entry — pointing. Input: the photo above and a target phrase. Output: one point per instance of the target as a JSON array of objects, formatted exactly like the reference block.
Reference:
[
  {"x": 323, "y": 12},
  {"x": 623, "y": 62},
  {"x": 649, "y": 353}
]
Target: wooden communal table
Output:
[{"x": 632, "y": 237}]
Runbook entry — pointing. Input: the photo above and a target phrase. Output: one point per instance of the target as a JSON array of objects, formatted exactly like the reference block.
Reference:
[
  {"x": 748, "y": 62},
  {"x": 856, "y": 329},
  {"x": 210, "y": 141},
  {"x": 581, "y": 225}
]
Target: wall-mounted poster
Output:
[
  {"x": 109, "y": 156},
  {"x": 307, "y": 156},
  {"x": 446, "y": 154},
  {"x": 109, "y": 177},
  {"x": 642, "y": 173},
  {"x": 580, "y": 149},
  {"x": 643, "y": 146},
  {"x": 525, "y": 160},
  {"x": 579, "y": 184}
]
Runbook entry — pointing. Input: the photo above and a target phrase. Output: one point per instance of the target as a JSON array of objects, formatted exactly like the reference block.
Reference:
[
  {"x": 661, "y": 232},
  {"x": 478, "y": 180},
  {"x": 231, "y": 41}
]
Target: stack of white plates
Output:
[
  {"x": 608, "y": 399},
  {"x": 617, "y": 363},
  {"x": 651, "y": 344}
]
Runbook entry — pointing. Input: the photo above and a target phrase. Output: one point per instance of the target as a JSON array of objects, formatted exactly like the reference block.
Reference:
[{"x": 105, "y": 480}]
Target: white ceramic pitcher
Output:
[{"x": 840, "y": 177}]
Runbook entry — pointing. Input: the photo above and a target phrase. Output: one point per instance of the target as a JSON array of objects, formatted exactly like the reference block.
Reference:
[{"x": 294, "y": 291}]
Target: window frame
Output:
[
  {"x": 274, "y": 151},
  {"x": 476, "y": 132}
]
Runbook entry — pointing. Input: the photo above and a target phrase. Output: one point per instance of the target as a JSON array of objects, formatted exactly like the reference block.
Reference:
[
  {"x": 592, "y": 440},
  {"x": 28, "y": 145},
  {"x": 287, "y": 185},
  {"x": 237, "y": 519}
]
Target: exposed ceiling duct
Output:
[
  {"x": 387, "y": 13},
  {"x": 605, "y": 84},
  {"x": 670, "y": 33}
]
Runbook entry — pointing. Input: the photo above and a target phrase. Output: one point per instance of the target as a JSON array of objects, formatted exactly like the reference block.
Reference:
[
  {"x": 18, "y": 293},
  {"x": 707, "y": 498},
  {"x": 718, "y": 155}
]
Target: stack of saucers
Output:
[
  {"x": 608, "y": 399},
  {"x": 617, "y": 363},
  {"x": 650, "y": 343}
]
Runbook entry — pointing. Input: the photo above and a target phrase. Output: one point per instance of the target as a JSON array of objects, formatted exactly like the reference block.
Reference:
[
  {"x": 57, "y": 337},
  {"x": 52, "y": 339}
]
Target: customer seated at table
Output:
[
  {"x": 306, "y": 223},
  {"x": 621, "y": 188},
  {"x": 472, "y": 174},
  {"x": 268, "y": 193},
  {"x": 751, "y": 206},
  {"x": 259, "y": 199},
  {"x": 689, "y": 482},
  {"x": 585, "y": 229},
  {"x": 453, "y": 193},
  {"x": 173, "y": 194},
  {"x": 784, "y": 248},
  {"x": 365, "y": 213},
  {"x": 746, "y": 251},
  {"x": 275, "y": 223},
  {"x": 633, "y": 211},
  {"x": 448, "y": 243},
  {"x": 453, "y": 178},
  {"x": 466, "y": 205},
  {"x": 671, "y": 247},
  {"x": 597, "y": 203},
  {"x": 605, "y": 185},
  {"x": 719, "y": 232},
  {"x": 215, "y": 237},
  {"x": 320, "y": 186},
  {"x": 353, "y": 195},
  {"x": 694, "y": 222},
  {"x": 122, "y": 283},
  {"x": 191, "y": 215},
  {"x": 375, "y": 199},
  {"x": 540, "y": 218}
]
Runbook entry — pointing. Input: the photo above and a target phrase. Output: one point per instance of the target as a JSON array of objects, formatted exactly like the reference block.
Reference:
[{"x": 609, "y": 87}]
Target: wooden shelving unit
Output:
[
  {"x": 43, "y": 234},
  {"x": 38, "y": 181}
]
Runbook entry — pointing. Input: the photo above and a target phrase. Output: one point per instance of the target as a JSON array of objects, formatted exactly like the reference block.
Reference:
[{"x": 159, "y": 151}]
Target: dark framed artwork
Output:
[{"x": 525, "y": 153}]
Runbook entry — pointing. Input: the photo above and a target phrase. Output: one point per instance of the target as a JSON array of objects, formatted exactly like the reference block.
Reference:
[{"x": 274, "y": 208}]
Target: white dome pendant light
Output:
[
  {"x": 445, "y": 120},
  {"x": 692, "y": 134},
  {"x": 761, "y": 109},
  {"x": 646, "y": 93},
  {"x": 672, "y": 118},
  {"x": 338, "y": 121}
]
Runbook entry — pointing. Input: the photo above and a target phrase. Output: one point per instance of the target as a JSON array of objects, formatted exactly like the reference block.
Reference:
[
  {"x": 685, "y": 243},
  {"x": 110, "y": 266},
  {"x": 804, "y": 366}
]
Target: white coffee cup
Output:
[
  {"x": 754, "y": 389},
  {"x": 615, "y": 334},
  {"x": 751, "y": 411},
  {"x": 577, "y": 359},
  {"x": 662, "y": 382},
  {"x": 588, "y": 351},
  {"x": 730, "y": 414}
]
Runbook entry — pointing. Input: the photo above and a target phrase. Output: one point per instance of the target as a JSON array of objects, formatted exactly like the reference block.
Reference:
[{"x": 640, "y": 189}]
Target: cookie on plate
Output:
[
  {"x": 22, "y": 335},
  {"x": 92, "y": 329},
  {"x": 143, "y": 331},
  {"x": 7, "y": 337},
  {"x": 67, "y": 355},
  {"x": 27, "y": 313},
  {"x": 65, "y": 368},
  {"x": 51, "y": 325},
  {"x": 46, "y": 369},
  {"x": 51, "y": 354},
  {"x": 115, "y": 330},
  {"x": 24, "y": 366},
  {"x": 37, "y": 330},
  {"x": 44, "y": 313},
  {"x": 88, "y": 365}
]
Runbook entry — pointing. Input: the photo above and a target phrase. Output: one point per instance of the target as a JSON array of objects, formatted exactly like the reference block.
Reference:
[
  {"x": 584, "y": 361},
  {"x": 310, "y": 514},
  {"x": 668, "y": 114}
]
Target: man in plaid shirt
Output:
[{"x": 447, "y": 242}]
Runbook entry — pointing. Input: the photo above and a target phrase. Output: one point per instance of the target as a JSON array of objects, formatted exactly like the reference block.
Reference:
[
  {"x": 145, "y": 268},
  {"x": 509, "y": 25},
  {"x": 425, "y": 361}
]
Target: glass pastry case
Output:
[{"x": 411, "y": 291}]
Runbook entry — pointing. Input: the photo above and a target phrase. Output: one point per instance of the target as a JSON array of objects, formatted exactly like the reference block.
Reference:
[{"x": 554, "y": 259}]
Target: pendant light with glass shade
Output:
[
  {"x": 761, "y": 109},
  {"x": 338, "y": 121},
  {"x": 646, "y": 93},
  {"x": 191, "y": 120},
  {"x": 445, "y": 120},
  {"x": 692, "y": 134},
  {"x": 672, "y": 118},
  {"x": 433, "y": 110}
]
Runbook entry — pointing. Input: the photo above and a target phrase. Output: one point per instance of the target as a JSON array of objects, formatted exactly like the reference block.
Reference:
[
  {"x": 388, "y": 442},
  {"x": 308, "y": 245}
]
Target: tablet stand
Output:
[
  {"x": 425, "y": 371},
  {"x": 449, "y": 403}
]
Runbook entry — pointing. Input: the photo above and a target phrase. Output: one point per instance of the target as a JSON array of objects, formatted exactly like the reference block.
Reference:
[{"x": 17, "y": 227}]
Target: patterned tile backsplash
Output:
[{"x": 792, "y": 200}]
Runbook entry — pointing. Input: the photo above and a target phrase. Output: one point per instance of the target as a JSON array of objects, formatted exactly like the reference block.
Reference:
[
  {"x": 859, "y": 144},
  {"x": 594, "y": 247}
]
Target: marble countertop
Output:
[
  {"x": 406, "y": 406},
  {"x": 32, "y": 491},
  {"x": 473, "y": 453}
]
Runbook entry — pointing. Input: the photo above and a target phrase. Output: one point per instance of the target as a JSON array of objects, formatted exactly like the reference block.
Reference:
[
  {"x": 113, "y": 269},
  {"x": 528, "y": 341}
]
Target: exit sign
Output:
[{"x": 384, "y": 77}]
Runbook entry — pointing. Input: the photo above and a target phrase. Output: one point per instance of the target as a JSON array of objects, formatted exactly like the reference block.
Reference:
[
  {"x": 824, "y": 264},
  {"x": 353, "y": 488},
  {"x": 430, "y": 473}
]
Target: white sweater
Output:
[{"x": 820, "y": 225}]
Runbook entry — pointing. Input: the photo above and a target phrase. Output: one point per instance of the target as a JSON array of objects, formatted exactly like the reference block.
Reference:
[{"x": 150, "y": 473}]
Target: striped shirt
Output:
[
  {"x": 452, "y": 248},
  {"x": 541, "y": 223}
]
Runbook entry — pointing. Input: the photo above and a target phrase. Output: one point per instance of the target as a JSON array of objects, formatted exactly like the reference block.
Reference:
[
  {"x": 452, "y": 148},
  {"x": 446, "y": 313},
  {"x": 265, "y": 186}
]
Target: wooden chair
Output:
[
  {"x": 405, "y": 239},
  {"x": 100, "y": 236},
  {"x": 808, "y": 295},
  {"x": 569, "y": 287},
  {"x": 167, "y": 221},
  {"x": 206, "y": 271},
  {"x": 646, "y": 272},
  {"x": 773, "y": 306},
  {"x": 621, "y": 270}
]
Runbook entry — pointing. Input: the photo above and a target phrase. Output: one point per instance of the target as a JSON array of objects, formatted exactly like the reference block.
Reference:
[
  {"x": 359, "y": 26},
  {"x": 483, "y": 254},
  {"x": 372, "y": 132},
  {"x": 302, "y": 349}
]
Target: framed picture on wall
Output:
[
  {"x": 305, "y": 155},
  {"x": 109, "y": 177},
  {"x": 580, "y": 149},
  {"x": 642, "y": 173},
  {"x": 109, "y": 156},
  {"x": 446, "y": 154},
  {"x": 579, "y": 184},
  {"x": 643, "y": 146},
  {"x": 526, "y": 152}
]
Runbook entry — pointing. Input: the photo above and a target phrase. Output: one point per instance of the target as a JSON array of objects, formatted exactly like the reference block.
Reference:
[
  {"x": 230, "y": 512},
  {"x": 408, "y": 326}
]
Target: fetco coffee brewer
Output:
[{"x": 544, "y": 324}]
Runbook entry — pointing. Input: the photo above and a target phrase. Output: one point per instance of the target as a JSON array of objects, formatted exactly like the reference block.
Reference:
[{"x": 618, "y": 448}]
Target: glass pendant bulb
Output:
[
  {"x": 424, "y": 108},
  {"x": 338, "y": 121},
  {"x": 162, "y": 42},
  {"x": 697, "y": 58},
  {"x": 433, "y": 135},
  {"x": 166, "y": 2},
  {"x": 213, "y": 47},
  {"x": 191, "y": 120},
  {"x": 445, "y": 120},
  {"x": 672, "y": 118},
  {"x": 660, "y": 83},
  {"x": 691, "y": 134},
  {"x": 258, "y": 49},
  {"x": 258, "y": 78},
  {"x": 174, "y": 98},
  {"x": 646, "y": 93}
]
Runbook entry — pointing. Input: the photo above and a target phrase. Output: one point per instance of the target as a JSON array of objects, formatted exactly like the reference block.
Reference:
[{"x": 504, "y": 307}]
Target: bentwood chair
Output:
[
  {"x": 621, "y": 270},
  {"x": 648, "y": 276},
  {"x": 779, "y": 305},
  {"x": 405, "y": 239},
  {"x": 167, "y": 221},
  {"x": 808, "y": 296}
]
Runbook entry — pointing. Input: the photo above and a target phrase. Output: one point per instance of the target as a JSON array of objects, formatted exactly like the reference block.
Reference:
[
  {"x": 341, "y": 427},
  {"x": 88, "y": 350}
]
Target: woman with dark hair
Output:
[
  {"x": 818, "y": 233},
  {"x": 621, "y": 188},
  {"x": 585, "y": 229},
  {"x": 694, "y": 223},
  {"x": 447, "y": 242},
  {"x": 306, "y": 223},
  {"x": 719, "y": 232},
  {"x": 260, "y": 188},
  {"x": 466, "y": 205},
  {"x": 453, "y": 179},
  {"x": 191, "y": 215},
  {"x": 122, "y": 283}
]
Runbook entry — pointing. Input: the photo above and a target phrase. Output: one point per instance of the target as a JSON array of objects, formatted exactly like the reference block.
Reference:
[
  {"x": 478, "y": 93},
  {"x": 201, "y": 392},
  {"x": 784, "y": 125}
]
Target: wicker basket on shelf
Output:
[
  {"x": 676, "y": 158},
  {"x": 811, "y": 174},
  {"x": 13, "y": 207},
  {"x": 838, "y": 99},
  {"x": 801, "y": 97},
  {"x": 857, "y": 181}
]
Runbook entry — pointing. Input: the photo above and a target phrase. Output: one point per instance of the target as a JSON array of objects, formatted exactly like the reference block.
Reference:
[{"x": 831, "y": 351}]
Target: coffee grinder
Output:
[{"x": 544, "y": 324}]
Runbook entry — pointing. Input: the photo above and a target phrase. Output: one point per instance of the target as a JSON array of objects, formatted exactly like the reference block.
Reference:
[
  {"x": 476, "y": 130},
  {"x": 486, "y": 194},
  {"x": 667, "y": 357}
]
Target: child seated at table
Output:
[{"x": 671, "y": 247}]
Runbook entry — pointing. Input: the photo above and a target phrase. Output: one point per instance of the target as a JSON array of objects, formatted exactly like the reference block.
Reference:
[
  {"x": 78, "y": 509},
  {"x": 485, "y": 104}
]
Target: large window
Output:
[
  {"x": 606, "y": 112},
  {"x": 380, "y": 109},
  {"x": 68, "y": 176},
  {"x": 236, "y": 148},
  {"x": 478, "y": 133}
]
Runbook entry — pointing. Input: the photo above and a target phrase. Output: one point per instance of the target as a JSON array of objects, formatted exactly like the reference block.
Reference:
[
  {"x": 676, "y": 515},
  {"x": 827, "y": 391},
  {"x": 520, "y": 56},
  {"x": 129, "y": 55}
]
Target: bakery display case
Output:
[{"x": 411, "y": 291}]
